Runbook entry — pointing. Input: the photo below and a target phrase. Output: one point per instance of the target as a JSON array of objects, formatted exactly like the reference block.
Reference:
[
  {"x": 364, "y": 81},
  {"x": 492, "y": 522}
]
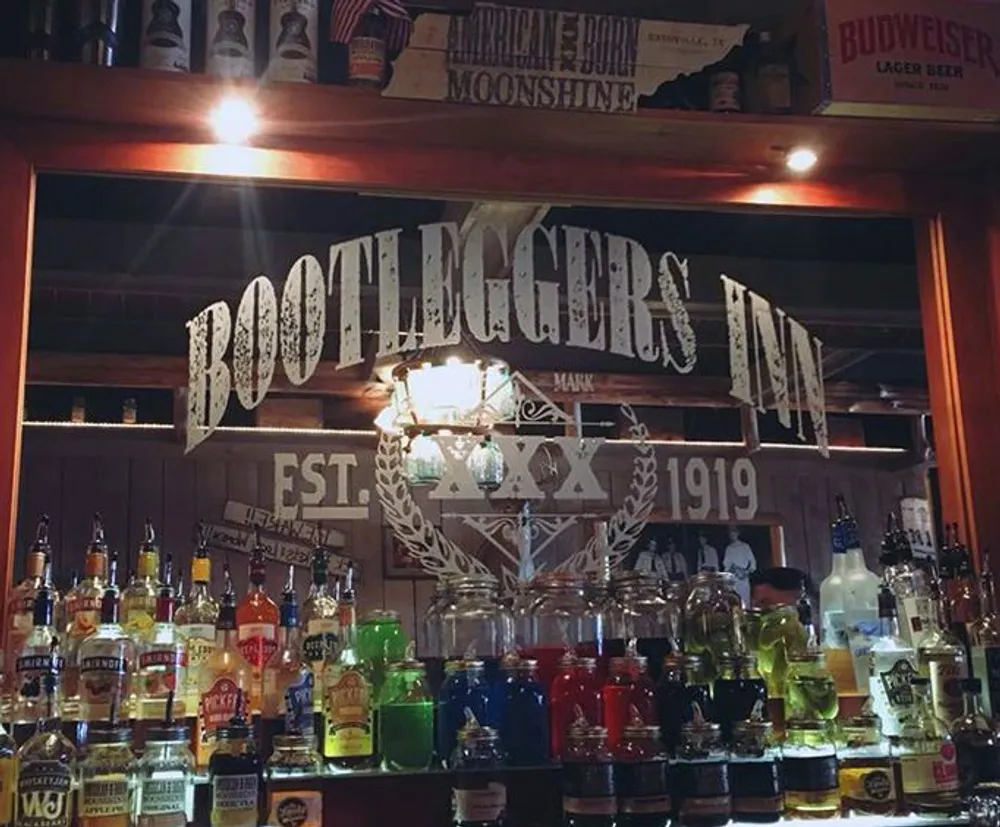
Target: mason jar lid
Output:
[
  {"x": 757, "y": 730},
  {"x": 719, "y": 578},
  {"x": 645, "y": 731},
  {"x": 626, "y": 579},
  {"x": 584, "y": 731},
  {"x": 673, "y": 661},
  {"x": 626, "y": 662},
  {"x": 176, "y": 734},
  {"x": 691, "y": 661},
  {"x": 463, "y": 664},
  {"x": 407, "y": 665},
  {"x": 806, "y": 725},
  {"x": 478, "y": 735},
  {"x": 806, "y": 656},
  {"x": 381, "y": 616},
  {"x": 559, "y": 580},
  {"x": 700, "y": 728},
  {"x": 473, "y": 582},
  {"x": 103, "y": 732}
]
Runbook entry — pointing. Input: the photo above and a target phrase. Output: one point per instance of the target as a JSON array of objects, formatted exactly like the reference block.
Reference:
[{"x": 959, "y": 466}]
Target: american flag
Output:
[{"x": 347, "y": 15}]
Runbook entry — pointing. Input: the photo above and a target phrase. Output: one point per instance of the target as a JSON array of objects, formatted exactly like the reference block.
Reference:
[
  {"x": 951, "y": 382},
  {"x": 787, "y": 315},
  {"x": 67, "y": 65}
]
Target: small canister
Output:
[
  {"x": 755, "y": 771},
  {"x": 702, "y": 794},
  {"x": 642, "y": 776},
  {"x": 588, "y": 779}
]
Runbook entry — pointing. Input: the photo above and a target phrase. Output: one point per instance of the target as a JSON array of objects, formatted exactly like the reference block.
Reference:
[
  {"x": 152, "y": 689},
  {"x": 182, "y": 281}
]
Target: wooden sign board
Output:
[
  {"x": 548, "y": 59},
  {"x": 929, "y": 59},
  {"x": 296, "y": 530}
]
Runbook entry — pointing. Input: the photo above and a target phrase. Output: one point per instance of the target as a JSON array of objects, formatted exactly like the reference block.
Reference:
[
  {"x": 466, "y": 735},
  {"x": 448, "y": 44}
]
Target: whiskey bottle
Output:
[
  {"x": 162, "y": 659},
  {"x": 367, "y": 50},
  {"x": 196, "y": 621},
  {"x": 83, "y": 614},
  {"x": 106, "y": 658},
  {"x": 320, "y": 621},
  {"x": 166, "y": 35},
  {"x": 257, "y": 621},
  {"x": 223, "y": 675},
  {"x": 46, "y": 769},
  {"x": 288, "y": 681},
  {"x": 941, "y": 659},
  {"x": 139, "y": 596},
  {"x": 38, "y": 660},
  {"x": 926, "y": 754},
  {"x": 294, "y": 37},
  {"x": 229, "y": 38},
  {"x": 21, "y": 603},
  {"x": 984, "y": 636}
]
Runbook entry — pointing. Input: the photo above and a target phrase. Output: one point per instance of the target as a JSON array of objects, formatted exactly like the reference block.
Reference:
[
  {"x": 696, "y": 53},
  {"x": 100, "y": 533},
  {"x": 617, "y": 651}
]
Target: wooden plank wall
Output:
[{"x": 129, "y": 475}]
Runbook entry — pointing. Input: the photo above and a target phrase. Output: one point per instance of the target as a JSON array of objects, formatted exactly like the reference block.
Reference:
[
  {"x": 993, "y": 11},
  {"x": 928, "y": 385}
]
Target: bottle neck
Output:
[
  {"x": 889, "y": 626},
  {"x": 839, "y": 562},
  {"x": 165, "y": 609},
  {"x": 855, "y": 559},
  {"x": 973, "y": 705},
  {"x": 199, "y": 591},
  {"x": 288, "y": 638}
]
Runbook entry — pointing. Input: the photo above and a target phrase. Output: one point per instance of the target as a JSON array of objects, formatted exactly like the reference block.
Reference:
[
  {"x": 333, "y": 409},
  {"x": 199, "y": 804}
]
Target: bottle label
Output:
[
  {"x": 835, "y": 629},
  {"x": 164, "y": 801},
  {"x": 103, "y": 677},
  {"x": 296, "y": 809},
  {"x": 896, "y": 683},
  {"x": 321, "y": 639},
  {"x": 946, "y": 690},
  {"x": 162, "y": 671},
  {"x": 986, "y": 667},
  {"x": 756, "y": 786},
  {"x": 85, "y": 613},
  {"x": 293, "y": 40},
  {"x": 8, "y": 789},
  {"x": 231, "y": 33},
  {"x": 32, "y": 669},
  {"x": 257, "y": 643},
  {"x": 485, "y": 805},
  {"x": 916, "y": 619},
  {"x": 811, "y": 775},
  {"x": 139, "y": 618},
  {"x": 199, "y": 640},
  {"x": 643, "y": 786},
  {"x": 930, "y": 772},
  {"x": 107, "y": 796},
  {"x": 43, "y": 794},
  {"x": 297, "y": 706},
  {"x": 724, "y": 91},
  {"x": 349, "y": 723},
  {"x": 234, "y": 799},
  {"x": 874, "y": 785},
  {"x": 218, "y": 705},
  {"x": 166, "y": 30},
  {"x": 366, "y": 60}
]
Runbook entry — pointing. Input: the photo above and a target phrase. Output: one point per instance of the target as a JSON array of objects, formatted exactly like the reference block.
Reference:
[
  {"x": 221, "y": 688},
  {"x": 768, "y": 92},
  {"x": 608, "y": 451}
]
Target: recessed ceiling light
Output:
[
  {"x": 234, "y": 120},
  {"x": 801, "y": 159}
]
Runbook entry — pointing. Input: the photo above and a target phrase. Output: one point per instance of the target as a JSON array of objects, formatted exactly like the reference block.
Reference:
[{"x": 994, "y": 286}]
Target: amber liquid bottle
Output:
[{"x": 257, "y": 619}]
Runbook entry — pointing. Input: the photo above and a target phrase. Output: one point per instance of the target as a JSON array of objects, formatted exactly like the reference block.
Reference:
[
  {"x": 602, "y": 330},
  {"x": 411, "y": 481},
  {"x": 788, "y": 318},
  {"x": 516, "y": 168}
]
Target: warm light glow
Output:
[
  {"x": 234, "y": 120},
  {"x": 801, "y": 159}
]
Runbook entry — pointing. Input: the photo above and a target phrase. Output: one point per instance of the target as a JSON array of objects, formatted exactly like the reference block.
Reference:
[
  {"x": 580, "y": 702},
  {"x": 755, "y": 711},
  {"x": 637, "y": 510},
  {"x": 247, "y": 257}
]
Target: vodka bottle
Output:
[
  {"x": 908, "y": 583},
  {"x": 38, "y": 660},
  {"x": 892, "y": 665}
]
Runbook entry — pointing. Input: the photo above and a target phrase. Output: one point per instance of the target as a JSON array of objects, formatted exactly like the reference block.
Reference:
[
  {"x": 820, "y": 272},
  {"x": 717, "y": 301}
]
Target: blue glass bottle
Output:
[
  {"x": 524, "y": 716},
  {"x": 464, "y": 686}
]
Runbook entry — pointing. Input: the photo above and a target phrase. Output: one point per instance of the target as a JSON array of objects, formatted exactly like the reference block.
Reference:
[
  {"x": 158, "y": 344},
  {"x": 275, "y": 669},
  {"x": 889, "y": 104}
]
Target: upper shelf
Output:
[{"x": 175, "y": 107}]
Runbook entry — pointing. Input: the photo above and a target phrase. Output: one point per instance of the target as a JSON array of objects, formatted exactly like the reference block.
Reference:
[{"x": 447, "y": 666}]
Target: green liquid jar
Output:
[{"x": 406, "y": 718}]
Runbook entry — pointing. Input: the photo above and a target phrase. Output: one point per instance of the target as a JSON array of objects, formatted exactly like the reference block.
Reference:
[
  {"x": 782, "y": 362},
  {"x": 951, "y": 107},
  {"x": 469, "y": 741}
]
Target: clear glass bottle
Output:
[
  {"x": 927, "y": 761},
  {"x": 257, "y": 622},
  {"x": 892, "y": 664},
  {"x": 38, "y": 659},
  {"x": 46, "y": 770},
  {"x": 809, "y": 763},
  {"x": 107, "y": 658},
  {"x": 867, "y": 775},
  {"x": 83, "y": 613},
  {"x": 21, "y": 603},
  {"x": 320, "y": 624},
  {"x": 702, "y": 792},
  {"x": 755, "y": 770},
  {"x": 107, "y": 776},
  {"x": 961, "y": 600},
  {"x": 406, "y": 717},
  {"x": 165, "y": 776},
  {"x": 367, "y": 50},
  {"x": 977, "y": 743},
  {"x": 138, "y": 599},
  {"x": 713, "y": 619},
  {"x": 984, "y": 635},
  {"x": 196, "y": 620},
  {"x": 941, "y": 658},
  {"x": 479, "y": 797},
  {"x": 562, "y": 616},
  {"x": 235, "y": 772},
  {"x": 907, "y": 582}
]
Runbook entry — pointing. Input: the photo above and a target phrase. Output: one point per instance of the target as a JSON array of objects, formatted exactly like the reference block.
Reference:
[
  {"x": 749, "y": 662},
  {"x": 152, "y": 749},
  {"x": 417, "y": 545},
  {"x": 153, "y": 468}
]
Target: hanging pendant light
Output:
[
  {"x": 486, "y": 465},
  {"x": 424, "y": 462}
]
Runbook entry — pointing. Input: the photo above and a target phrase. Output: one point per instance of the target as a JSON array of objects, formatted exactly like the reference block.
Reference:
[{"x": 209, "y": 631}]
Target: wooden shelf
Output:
[{"x": 173, "y": 107}]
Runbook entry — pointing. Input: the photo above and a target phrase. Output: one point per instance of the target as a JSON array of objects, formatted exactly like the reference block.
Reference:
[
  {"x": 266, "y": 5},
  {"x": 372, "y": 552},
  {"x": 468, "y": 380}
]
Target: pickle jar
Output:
[
  {"x": 642, "y": 777},
  {"x": 780, "y": 634},
  {"x": 713, "y": 619},
  {"x": 107, "y": 777},
  {"x": 755, "y": 772},
  {"x": 867, "y": 781},
  {"x": 810, "y": 691},
  {"x": 809, "y": 770},
  {"x": 292, "y": 756},
  {"x": 702, "y": 795}
]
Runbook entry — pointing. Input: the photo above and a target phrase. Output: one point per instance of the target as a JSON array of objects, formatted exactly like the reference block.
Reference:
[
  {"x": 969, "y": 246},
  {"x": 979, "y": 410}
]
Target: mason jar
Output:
[
  {"x": 561, "y": 618},
  {"x": 867, "y": 779},
  {"x": 713, "y": 619},
  {"x": 107, "y": 778},
  {"x": 640, "y": 611},
  {"x": 755, "y": 772},
  {"x": 810, "y": 771},
  {"x": 702, "y": 793},
  {"x": 780, "y": 634},
  {"x": 810, "y": 691},
  {"x": 474, "y": 623}
]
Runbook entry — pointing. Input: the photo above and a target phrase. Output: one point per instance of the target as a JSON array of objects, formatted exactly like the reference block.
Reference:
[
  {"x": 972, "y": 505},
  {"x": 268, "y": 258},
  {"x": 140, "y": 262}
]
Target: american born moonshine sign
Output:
[{"x": 607, "y": 283}]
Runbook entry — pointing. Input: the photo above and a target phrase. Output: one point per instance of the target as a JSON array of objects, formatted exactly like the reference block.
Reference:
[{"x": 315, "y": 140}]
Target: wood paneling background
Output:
[{"x": 129, "y": 475}]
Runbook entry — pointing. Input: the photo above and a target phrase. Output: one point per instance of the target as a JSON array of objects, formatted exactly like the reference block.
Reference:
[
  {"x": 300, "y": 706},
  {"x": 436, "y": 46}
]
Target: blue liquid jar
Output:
[
  {"x": 464, "y": 687},
  {"x": 524, "y": 716}
]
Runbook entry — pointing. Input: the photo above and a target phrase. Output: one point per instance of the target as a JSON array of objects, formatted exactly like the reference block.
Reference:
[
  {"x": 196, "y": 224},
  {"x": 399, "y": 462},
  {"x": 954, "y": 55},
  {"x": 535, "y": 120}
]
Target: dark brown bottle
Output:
[{"x": 367, "y": 49}]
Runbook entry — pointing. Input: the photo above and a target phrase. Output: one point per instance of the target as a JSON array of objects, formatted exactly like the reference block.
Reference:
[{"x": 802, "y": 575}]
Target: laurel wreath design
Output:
[
  {"x": 630, "y": 519},
  {"x": 440, "y": 556},
  {"x": 422, "y": 539}
]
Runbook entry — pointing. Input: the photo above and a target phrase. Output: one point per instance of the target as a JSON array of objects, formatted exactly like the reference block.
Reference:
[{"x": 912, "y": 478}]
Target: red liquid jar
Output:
[
  {"x": 574, "y": 691},
  {"x": 628, "y": 685}
]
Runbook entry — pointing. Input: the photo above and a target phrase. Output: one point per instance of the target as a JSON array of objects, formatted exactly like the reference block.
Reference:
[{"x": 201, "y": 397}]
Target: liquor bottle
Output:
[
  {"x": 166, "y": 35},
  {"x": 348, "y": 697},
  {"x": 83, "y": 613},
  {"x": 165, "y": 776},
  {"x": 230, "y": 38},
  {"x": 288, "y": 681},
  {"x": 976, "y": 742},
  {"x": 724, "y": 93},
  {"x": 196, "y": 621},
  {"x": 320, "y": 621},
  {"x": 907, "y": 582},
  {"x": 234, "y": 772},
  {"x": 942, "y": 659},
  {"x": 39, "y": 657},
  {"x": 21, "y": 603},
  {"x": 8, "y": 777},
  {"x": 162, "y": 659},
  {"x": 41, "y": 40},
  {"x": 294, "y": 37},
  {"x": 926, "y": 754},
  {"x": 257, "y": 621},
  {"x": 107, "y": 774},
  {"x": 961, "y": 601},
  {"x": 180, "y": 596},
  {"x": 769, "y": 77},
  {"x": 106, "y": 658},
  {"x": 96, "y": 31},
  {"x": 223, "y": 675},
  {"x": 984, "y": 635},
  {"x": 140, "y": 595},
  {"x": 46, "y": 770},
  {"x": 892, "y": 664},
  {"x": 367, "y": 48}
]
